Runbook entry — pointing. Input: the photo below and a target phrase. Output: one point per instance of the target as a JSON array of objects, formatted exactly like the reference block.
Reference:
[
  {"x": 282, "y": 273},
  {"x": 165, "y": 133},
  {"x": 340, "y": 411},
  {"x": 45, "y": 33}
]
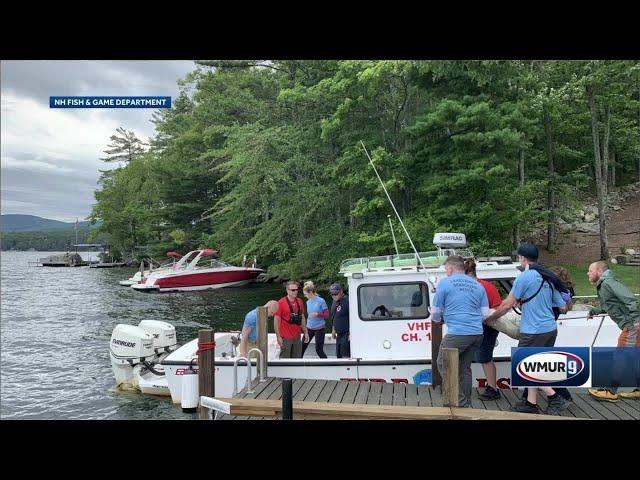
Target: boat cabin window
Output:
[
  {"x": 503, "y": 285},
  {"x": 393, "y": 301}
]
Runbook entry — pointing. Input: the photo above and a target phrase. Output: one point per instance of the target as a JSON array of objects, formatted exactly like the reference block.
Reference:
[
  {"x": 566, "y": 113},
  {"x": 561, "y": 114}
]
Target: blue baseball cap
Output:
[{"x": 335, "y": 288}]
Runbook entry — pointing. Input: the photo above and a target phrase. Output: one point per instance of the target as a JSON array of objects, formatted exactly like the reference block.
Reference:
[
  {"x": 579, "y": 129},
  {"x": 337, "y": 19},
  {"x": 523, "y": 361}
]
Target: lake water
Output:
[{"x": 55, "y": 328}]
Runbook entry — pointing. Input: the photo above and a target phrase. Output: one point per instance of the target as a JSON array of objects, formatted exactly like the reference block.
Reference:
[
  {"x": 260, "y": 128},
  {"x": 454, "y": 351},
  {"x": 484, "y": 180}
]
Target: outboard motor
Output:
[
  {"x": 164, "y": 336},
  {"x": 130, "y": 348}
]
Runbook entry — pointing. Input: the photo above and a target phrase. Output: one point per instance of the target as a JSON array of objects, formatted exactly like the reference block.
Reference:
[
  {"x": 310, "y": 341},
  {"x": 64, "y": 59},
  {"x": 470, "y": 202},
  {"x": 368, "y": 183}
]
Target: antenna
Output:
[
  {"x": 393, "y": 235},
  {"x": 392, "y": 205}
]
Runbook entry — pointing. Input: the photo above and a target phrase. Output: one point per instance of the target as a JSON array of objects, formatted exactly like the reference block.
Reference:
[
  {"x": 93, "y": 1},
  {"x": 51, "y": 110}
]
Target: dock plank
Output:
[
  {"x": 597, "y": 406},
  {"x": 350, "y": 393},
  {"x": 634, "y": 414},
  {"x": 634, "y": 404},
  {"x": 411, "y": 395},
  {"x": 375, "y": 392},
  {"x": 616, "y": 410},
  {"x": 587, "y": 408},
  {"x": 312, "y": 396},
  {"x": 363, "y": 392},
  {"x": 436, "y": 397},
  {"x": 501, "y": 403},
  {"x": 387, "y": 394},
  {"x": 338, "y": 393},
  {"x": 476, "y": 402},
  {"x": 512, "y": 397},
  {"x": 257, "y": 388},
  {"x": 302, "y": 393},
  {"x": 327, "y": 390},
  {"x": 424, "y": 396},
  {"x": 399, "y": 394}
]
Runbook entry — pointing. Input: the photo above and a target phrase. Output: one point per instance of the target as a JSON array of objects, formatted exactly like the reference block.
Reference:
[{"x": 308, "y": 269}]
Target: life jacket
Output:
[{"x": 295, "y": 317}]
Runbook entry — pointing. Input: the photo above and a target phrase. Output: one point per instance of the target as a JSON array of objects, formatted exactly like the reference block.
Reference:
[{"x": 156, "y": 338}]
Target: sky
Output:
[{"x": 50, "y": 157}]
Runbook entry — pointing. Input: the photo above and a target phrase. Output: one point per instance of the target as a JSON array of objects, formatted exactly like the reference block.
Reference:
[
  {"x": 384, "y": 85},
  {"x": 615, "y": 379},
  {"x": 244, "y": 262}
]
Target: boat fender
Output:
[{"x": 190, "y": 397}]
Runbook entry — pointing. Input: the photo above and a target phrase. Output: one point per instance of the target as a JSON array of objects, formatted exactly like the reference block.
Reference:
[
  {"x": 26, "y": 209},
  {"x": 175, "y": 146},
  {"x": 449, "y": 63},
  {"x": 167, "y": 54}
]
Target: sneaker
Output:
[
  {"x": 490, "y": 393},
  {"x": 603, "y": 394},
  {"x": 556, "y": 405},
  {"x": 525, "y": 407},
  {"x": 633, "y": 394}
]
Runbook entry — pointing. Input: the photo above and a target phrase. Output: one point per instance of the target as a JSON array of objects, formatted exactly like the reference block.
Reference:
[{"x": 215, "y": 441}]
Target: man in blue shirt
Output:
[
  {"x": 463, "y": 303},
  {"x": 536, "y": 297},
  {"x": 249, "y": 330}
]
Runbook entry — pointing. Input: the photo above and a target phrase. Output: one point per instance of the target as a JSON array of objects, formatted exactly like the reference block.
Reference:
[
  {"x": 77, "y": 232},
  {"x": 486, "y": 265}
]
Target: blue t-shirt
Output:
[
  {"x": 537, "y": 314},
  {"x": 461, "y": 299},
  {"x": 318, "y": 305},
  {"x": 250, "y": 320}
]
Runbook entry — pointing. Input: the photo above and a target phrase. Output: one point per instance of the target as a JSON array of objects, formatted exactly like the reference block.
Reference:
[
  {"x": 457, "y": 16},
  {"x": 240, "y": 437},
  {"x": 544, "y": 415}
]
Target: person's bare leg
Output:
[{"x": 489, "y": 369}]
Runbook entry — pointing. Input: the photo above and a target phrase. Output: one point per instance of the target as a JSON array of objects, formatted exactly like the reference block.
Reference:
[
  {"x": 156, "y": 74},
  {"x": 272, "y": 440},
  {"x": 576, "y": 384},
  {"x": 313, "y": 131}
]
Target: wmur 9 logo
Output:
[{"x": 550, "y": 367}]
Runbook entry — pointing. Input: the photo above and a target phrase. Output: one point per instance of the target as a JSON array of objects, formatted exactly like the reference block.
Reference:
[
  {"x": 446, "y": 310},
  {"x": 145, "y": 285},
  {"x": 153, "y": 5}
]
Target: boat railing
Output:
[
  {"x": 235, "y": 375},
  {"x": 260, "y": 362},
  {"x": 429, "y": 259}
]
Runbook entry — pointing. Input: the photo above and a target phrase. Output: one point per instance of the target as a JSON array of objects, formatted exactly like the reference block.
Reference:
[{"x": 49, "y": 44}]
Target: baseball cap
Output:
[
  {"x": 528, "y": 250},
  {"x": 335, "y": 288}
]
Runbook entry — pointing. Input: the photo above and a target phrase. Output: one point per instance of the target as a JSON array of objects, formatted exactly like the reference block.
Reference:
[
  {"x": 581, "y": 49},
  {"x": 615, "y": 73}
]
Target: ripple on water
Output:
[{"x": 55, "y": 326}]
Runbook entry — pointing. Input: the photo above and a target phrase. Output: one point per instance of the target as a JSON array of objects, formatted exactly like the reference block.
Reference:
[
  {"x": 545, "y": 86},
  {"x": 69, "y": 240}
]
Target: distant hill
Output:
[{"x": 28, "y": 223}]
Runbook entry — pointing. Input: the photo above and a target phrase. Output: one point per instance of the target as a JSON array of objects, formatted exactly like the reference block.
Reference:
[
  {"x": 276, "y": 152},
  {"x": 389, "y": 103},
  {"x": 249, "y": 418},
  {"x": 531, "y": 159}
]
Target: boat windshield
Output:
[
  {"x": 208, "y": 262},
  {"x": 393, "y": 301}
]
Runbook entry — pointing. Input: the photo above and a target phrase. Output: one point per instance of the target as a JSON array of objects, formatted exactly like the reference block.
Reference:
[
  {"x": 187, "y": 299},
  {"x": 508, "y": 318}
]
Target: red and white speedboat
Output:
[{"x": 195, "y": 271}]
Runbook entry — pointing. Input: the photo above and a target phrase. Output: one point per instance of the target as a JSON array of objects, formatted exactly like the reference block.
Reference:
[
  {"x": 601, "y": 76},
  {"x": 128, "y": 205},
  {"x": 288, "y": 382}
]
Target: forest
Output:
[{"x": 264, "y": 158}]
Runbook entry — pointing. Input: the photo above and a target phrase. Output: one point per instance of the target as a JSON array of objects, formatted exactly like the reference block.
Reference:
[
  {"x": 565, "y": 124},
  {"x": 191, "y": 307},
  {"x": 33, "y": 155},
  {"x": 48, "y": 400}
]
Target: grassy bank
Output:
[{"x": 630, "y": 276}]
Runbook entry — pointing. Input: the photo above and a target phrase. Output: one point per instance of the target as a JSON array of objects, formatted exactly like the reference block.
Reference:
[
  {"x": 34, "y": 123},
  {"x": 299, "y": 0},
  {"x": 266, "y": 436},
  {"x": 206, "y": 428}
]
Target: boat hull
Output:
[{"x": 198, "y": 280}]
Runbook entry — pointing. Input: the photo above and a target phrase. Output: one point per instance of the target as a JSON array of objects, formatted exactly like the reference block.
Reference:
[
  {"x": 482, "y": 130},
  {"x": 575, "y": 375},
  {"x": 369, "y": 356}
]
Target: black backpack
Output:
[{"x": 554, "y": 282}]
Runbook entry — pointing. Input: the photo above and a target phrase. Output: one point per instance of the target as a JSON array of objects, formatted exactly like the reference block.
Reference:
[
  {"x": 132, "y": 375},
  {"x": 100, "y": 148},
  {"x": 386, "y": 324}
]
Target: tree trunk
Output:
[
  {"x": 605, "y": 151},
  {"x": 551, "y": 196},
  {"x": 612, "y": 175},
  {"x": 598, "y": 172},
  {"x": 516, "y": 230}
]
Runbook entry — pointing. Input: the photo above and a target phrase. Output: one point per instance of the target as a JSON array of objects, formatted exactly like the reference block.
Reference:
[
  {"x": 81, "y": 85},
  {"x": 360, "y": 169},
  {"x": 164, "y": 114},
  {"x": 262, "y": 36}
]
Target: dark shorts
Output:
[
  {"x": 547, "y": 339},
  {"x": 484, "y": 353}
]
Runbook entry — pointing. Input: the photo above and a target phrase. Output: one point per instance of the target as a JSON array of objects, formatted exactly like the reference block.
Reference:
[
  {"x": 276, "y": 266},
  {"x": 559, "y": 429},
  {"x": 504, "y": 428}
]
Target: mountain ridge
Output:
[{"x": 27, "y": 223}]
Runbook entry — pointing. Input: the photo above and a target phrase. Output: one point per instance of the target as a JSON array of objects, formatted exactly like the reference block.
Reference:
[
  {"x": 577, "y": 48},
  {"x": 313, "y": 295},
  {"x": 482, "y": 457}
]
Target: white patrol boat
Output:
[{"x": 390, "y": 344}]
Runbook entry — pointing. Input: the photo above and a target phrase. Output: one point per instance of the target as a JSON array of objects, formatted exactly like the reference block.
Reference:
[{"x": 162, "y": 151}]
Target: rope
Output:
[
  {"x": 599, "y": 327},
  {"x": 205, "y": 346}
]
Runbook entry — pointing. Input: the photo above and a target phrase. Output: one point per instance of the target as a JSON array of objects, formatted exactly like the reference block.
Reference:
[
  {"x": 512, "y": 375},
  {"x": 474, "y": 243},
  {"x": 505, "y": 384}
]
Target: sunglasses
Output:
[
  {"x": 334, "y": 294},
  {"x": 293, "y": 289}
]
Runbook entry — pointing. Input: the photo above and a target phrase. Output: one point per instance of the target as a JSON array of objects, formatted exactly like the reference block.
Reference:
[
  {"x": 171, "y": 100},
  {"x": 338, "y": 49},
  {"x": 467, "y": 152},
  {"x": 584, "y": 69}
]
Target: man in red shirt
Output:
[
  {"x": 289, "y": 322},
  {"x": 484, "y": 354}
]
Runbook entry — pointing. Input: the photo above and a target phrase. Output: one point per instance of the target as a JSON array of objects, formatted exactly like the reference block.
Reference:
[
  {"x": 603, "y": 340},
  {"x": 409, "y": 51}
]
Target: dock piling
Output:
[
  {"x": 206, "y": 368},
  {"x": 450, "y": 384},
  {"x": 287, "y": 399},
  {"x": 263, "y": 345}
]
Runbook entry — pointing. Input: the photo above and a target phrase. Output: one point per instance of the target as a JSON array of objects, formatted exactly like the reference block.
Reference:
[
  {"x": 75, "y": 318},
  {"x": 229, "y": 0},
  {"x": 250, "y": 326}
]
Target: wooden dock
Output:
[{"x": 324, "y": 392}]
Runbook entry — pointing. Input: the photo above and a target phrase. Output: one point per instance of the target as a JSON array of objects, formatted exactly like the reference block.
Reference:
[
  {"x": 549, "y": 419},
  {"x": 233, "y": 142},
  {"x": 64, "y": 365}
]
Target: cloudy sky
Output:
[{"x": 50, "y": 157}]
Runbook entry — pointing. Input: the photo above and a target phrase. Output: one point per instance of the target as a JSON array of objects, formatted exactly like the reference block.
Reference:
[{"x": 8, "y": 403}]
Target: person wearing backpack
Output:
[{"x": 536, "y": 297}]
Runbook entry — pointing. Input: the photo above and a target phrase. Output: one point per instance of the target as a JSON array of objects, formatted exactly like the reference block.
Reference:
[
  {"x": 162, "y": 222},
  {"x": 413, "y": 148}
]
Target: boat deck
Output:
[{"x": 378, "y": 393}]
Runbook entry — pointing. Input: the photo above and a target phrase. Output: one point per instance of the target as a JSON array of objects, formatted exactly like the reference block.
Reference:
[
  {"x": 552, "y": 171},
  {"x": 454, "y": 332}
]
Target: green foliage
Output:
[{"x": 265, "y": 158}]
